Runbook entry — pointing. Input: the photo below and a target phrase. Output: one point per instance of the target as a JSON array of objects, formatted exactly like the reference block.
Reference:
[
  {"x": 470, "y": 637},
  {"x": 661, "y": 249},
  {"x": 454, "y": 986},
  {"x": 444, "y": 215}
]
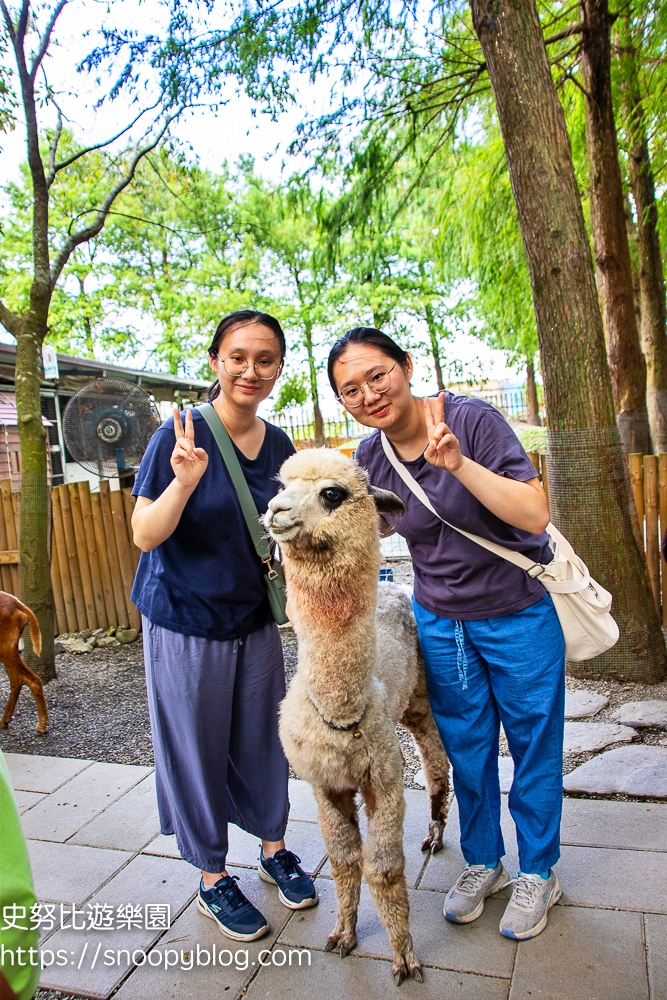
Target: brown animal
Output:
[
  {"x": 13, "y": 618},
  {"x": 359, "y": 673}
]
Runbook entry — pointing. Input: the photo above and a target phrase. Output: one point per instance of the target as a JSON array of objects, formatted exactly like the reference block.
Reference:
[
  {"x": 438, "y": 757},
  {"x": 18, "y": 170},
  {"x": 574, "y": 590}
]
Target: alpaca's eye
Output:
[{"x": 333, "y": 496}]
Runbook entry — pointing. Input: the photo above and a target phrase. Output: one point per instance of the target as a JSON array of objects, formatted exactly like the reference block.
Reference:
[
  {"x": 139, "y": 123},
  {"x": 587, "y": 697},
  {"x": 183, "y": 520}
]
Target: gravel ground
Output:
[{"x": 97, "y": 706}]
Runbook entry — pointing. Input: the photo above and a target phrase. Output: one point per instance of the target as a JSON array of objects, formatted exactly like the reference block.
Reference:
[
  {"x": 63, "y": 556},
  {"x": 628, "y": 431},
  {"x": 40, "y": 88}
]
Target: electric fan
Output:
[{"x": 107, "y": 425}]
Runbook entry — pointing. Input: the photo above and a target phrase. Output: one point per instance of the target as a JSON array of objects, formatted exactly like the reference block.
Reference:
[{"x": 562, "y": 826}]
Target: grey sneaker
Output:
[
  {"x": 465, "y": 901},
  {"x": 526, "y": 913}
]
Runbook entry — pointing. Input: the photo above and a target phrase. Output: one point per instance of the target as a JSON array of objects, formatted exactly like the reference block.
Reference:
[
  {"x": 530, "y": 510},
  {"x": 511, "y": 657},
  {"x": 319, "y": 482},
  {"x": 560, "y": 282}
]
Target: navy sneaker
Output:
[
  {"x": 235, "y": 915},
  {"x": 295, "y": 888}
]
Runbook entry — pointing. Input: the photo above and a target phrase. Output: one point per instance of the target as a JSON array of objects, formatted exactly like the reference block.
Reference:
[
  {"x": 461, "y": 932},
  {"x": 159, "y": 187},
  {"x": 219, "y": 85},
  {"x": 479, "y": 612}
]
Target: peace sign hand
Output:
[
  {"x": 444, "y": 450},
  {"x": 189, "y": 463}
]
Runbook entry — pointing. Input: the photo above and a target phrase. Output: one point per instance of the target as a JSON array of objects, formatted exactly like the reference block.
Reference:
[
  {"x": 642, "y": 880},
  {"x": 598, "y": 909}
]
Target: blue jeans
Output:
[{"x": 509, "y": 669}]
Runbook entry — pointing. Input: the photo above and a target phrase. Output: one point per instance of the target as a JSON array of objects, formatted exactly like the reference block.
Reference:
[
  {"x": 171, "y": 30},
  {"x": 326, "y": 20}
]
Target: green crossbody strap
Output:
[
  {"x": 275, "y": 578},
  {"x": 229, "y": 457}
]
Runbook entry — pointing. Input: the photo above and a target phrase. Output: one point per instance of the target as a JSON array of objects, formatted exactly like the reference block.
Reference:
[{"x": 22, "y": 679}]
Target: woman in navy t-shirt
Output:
[
  {"x": 489, "y": 633},
  {"x": 214, "y": 662}
]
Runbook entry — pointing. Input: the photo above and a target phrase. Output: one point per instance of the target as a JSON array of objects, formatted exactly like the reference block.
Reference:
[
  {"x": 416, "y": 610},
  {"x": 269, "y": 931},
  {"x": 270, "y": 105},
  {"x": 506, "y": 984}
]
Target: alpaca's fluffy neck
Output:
[{"x": 334, "y": 612}]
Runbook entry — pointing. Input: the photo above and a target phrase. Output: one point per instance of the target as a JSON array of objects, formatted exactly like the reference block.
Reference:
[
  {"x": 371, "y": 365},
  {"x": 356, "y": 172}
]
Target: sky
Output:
[{"x": 238, "y": 127}]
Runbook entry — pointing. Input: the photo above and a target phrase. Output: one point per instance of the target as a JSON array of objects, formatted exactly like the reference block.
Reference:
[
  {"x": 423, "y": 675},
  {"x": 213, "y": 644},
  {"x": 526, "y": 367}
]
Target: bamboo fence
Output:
[{"x": 93, "y": 556}]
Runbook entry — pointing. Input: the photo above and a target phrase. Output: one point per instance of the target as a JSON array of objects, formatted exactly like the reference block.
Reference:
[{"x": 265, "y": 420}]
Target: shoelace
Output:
[
  {"x": 231, "y": 893},
  {"x": 526, "y": 891},
  {"x": 289, "y": 862},
  {"x": 470, "y": 879}
]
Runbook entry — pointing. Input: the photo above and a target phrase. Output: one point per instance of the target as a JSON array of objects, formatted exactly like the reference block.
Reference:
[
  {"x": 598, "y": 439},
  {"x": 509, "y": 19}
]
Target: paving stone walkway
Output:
[{"x": 95, "y": 845}]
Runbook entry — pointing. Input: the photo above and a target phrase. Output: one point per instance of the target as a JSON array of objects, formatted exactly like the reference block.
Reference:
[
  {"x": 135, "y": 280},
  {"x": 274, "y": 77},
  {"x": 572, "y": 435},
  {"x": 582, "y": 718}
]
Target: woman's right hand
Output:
[{"x": 189, "y": 463}]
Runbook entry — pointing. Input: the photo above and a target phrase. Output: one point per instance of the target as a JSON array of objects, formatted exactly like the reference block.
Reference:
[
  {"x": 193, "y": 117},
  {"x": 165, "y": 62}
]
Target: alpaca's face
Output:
[{"x": 326, "y": 496}]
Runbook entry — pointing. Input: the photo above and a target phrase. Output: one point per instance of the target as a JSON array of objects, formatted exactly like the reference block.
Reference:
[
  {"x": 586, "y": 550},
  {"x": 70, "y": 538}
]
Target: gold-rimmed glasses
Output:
[
  {"x": 236, "y": 365},
  {"x": 353, "y": 395}
]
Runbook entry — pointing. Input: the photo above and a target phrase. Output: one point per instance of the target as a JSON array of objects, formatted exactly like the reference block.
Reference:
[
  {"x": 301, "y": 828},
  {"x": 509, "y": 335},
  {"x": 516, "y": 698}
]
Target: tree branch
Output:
[
  {"x": 574, "y": 29},
  {"x": 100, "y": 145},
  {"x": 11, "y": 322},
  {"x": 45, "y": 39},
  {"x": 8, "y": 22},
  {"x": 83, "y": 235},
  {"x": 53, "y": 147}
]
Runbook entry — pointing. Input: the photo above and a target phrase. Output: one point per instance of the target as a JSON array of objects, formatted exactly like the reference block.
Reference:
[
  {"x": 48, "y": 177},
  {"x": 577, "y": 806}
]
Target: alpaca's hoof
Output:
[
  {"x": 432, "y": 844},
  {"x": 407, "y": 966},
  {"x": 341, "y": 942},
  {"x": 4, "y": 723},
  {"x": 41, "y": 729}
]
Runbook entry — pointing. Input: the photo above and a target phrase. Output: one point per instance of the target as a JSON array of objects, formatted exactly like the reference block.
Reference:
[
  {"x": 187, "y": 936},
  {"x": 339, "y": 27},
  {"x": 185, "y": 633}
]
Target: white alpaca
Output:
[{"x": 359, "y": 673}]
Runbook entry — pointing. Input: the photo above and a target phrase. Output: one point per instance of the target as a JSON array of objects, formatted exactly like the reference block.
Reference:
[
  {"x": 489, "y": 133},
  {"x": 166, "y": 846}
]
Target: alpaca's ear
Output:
[{"x": 386, "y": 501}]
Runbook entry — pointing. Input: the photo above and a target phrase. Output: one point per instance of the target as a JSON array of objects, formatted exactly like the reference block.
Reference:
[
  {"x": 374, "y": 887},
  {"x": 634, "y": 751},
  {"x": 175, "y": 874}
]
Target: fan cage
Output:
[{"x": 117, "y": 409}]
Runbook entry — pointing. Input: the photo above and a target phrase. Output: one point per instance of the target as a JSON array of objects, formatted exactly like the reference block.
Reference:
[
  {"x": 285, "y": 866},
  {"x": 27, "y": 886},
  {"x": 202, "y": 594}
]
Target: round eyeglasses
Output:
[
  {"x": 353, "y": 395},
  {"x": 265, "y": 368}
]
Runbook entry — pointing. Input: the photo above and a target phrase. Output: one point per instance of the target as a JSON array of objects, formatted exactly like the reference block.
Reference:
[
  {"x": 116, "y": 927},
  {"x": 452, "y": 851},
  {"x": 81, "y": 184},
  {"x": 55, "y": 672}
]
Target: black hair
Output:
[
  {"x": 243, "y": 317},
  {"x": 364, "y": 335}
]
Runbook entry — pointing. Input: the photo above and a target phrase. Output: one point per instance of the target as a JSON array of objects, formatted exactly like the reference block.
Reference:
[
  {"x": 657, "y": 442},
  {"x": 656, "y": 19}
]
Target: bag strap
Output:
[
  {"x": 517, "y": 558},
  {"x": 230, "y": 458}
]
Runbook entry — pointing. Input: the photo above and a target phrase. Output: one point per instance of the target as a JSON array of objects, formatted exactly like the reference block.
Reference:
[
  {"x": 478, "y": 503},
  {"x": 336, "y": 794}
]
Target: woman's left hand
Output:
[{"x": 444, "y": 450}]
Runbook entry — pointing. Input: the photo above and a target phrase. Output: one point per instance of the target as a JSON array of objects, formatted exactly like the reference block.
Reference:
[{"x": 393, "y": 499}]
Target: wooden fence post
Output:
[
  {"x": 10, "y": 528},
  {"x": 636, "y": 479},
  {"x": 122, "y": 616},
  {"x": 58, "y": 601},
  {"x": 651, "y": 507},
  {"x": 103, "y": 556},
  {"x": 124, "y": 556},
  {"x": 60, "y": 546},
  {"x": 82, "y": 554},
  {"x": 93, "y": 559},
  {"x": 72, "y": 558},
  {"x": 129, "y": 501},
  {"x": 662, "y": 490},
  {"x": 5, "y": 571}
]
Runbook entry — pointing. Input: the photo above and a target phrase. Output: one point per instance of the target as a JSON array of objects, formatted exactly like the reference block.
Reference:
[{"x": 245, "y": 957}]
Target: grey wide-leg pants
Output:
[{"x": 213, "y": 709}]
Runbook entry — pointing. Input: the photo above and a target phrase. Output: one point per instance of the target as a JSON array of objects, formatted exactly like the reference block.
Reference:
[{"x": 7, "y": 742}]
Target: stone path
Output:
[{"x": 94, "y": 839}]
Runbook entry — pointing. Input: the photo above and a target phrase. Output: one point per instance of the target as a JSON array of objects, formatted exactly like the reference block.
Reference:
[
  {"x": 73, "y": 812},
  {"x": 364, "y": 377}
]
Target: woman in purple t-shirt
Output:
[{"x": 489, "y": 633}]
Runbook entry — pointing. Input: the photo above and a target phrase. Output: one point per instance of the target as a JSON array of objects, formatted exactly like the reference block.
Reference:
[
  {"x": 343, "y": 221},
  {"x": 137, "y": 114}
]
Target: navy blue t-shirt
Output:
[{"x": 206, "y": 579}]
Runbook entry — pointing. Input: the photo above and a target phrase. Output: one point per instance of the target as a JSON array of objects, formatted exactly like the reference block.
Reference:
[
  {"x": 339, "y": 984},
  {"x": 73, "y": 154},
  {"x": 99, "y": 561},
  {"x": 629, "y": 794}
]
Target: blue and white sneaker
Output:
[
  {"x": 235, "y": 915},
  {"x": 527, "y": 911},
  {"x": 295, "y": 889}
]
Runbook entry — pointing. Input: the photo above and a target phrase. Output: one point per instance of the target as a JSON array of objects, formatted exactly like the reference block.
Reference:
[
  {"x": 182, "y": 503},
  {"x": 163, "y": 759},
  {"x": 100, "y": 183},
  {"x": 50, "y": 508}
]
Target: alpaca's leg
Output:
[
  {"x": 418, "y": 719},
  {"x": 337, "y": 813},
  {"x": 384, "y": 868}
]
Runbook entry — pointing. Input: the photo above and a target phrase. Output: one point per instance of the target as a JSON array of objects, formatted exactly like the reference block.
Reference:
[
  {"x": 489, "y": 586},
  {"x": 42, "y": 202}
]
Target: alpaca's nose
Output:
[{"x": 280, "y": 502}]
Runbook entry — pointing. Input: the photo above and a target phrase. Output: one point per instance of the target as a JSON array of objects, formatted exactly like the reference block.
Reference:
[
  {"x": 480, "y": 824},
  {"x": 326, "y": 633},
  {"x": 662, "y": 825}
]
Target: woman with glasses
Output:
[
  {"x": 214, "y": 661},
  {"x": 489, "y": 633}
]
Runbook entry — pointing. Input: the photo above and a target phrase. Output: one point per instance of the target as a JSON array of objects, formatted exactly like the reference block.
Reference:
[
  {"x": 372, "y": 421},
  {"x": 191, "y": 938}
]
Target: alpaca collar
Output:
[{"x": 342, "y": 729}]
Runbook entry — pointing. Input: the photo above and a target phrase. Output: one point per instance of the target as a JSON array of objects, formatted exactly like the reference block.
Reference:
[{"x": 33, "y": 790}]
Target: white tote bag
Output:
[{"x": 582, "y": 605}]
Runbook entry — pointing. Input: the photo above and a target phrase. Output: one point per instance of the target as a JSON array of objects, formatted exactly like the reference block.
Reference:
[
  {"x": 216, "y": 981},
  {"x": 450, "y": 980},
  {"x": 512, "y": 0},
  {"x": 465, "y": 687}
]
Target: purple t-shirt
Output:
[{"x": 455, "y": 577}]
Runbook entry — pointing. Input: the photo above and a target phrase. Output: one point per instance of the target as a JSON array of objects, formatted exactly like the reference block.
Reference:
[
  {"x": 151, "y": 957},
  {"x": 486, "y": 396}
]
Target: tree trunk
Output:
[
  {"x": 320, "y": 440},
  {"x": 34, "y": 563},
  {"x": 589, "y": 486},
  {"x": 651, "y": 277},
  {"x": 435, "y": 344},
  {"x": 531, "y": 394},
  {"x": 610, "y": 238}
]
